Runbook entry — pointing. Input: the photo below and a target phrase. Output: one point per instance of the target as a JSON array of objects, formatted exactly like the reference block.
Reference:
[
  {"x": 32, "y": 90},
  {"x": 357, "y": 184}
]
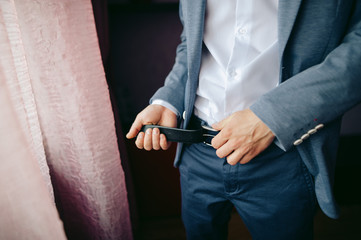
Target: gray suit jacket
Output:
[{"x": 320, "y": 66}]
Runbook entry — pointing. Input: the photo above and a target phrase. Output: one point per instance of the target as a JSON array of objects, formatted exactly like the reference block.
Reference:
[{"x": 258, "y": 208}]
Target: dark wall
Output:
[
  {"x": 143, "y": 39},
  {"x": 143, "y": 43}
]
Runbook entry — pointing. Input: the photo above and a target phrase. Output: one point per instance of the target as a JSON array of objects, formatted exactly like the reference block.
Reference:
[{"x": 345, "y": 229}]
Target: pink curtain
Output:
[{"x": 56, "y": 127}]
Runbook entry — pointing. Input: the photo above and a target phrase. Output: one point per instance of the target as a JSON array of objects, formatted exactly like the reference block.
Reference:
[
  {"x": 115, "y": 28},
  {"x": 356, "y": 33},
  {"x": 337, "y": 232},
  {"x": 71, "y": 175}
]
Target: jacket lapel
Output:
[
  {"x": 195, "y": 10},
  {"x": 194, "y": 26},
  {"x": 287, "y": 13}
]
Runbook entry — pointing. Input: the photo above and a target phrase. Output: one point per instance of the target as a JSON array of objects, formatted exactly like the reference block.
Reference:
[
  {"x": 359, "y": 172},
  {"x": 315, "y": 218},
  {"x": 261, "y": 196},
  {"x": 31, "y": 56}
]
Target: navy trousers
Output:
[{"x": 273, "y": 194}]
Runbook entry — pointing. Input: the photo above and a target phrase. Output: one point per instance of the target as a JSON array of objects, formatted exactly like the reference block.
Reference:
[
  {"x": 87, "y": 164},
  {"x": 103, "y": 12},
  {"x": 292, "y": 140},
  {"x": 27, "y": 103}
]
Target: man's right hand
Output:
[{"x": 152, "y": 139}]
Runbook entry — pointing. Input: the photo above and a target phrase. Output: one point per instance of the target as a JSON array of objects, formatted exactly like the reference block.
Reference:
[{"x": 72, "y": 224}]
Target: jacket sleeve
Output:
[
  {"x": 316, "y": 95},
  {"x": 173, "y": 90}
]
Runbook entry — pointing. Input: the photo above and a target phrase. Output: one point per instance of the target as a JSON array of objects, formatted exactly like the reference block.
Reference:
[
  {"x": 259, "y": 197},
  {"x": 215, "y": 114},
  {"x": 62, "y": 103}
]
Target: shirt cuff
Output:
[{"x": 167, "y": 105}]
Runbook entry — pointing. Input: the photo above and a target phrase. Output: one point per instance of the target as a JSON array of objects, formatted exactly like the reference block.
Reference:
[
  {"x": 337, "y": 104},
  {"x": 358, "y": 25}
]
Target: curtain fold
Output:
[
  {"x": 27, "y": 211},
  {"x": 16, "y": 76},
  {"x": 55, "y": 99}
]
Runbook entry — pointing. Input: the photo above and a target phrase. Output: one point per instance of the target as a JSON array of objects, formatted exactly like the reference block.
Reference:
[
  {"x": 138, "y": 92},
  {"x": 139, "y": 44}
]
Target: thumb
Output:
[{"x": 135, "y": 128}]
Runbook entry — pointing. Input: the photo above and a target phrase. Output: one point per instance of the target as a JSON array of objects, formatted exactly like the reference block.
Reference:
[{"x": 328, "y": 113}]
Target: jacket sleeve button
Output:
[
  {"x": 312, "y": 131},
  {"x": 184, "y": 115},
  {"x": 298, "y": 142},
  {"x": 305, "y": 136}
]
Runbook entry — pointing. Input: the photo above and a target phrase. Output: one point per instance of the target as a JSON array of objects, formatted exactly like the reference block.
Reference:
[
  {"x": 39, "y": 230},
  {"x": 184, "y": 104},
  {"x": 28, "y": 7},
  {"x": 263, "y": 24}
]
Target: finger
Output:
[
  {"x": 224, "y": 150},
  {"x": 140, "y": 140},
  {"x": 221, "y": 124},
  {"x": 219, "y": 140},
  {"x": 218, "y": 126},
  {"x": 148, "y": 140},
  {"x": 156, "y": 139},
  {"x": 237, "y": 156},
  {"x": 163, "y": 142},
  {"x": 252, "y": 153},
  {"x": 246, "y": 159},
  {"x": 134, "y": 129}
]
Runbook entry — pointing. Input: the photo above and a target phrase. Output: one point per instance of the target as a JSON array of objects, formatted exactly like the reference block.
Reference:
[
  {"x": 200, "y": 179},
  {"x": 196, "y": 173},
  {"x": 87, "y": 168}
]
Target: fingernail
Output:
[
  {"x": 155, "y": 131},
  {"x": 148, "y": 132},
  {"x": 140, "y": 135},
  {"x": 162, "y": 137}
]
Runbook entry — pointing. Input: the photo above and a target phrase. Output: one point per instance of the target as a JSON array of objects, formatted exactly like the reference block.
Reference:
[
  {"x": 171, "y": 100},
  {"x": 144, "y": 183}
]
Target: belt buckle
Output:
[{"x": 208, "y": 134}]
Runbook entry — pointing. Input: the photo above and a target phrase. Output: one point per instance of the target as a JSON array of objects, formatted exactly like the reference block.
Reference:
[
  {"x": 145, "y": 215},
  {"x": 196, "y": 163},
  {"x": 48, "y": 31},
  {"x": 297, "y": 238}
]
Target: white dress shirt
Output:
[{"x": 240, "y": 60}]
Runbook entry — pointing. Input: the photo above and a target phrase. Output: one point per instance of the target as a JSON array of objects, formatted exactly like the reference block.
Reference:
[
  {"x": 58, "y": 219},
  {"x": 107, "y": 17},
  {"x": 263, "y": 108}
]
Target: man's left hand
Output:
[{"x": 242, "y": 137}]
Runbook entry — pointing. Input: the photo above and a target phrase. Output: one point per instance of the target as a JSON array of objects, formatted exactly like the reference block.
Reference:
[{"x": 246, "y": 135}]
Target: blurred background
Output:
[{"x": 138, "y": 40}]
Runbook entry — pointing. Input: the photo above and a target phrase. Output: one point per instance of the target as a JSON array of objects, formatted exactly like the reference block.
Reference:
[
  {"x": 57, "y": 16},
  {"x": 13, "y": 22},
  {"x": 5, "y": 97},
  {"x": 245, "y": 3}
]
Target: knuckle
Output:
[
  {"x": 233, "y": 144},
  {"x": 246, "y": 148},
  {"x": 253, "y": 152},
  {"x": 155, "y": 140},
  {"x": 239, "y": 141},
  {"x": 227, "y": 132},
  {"x": 139, "y": 117}
]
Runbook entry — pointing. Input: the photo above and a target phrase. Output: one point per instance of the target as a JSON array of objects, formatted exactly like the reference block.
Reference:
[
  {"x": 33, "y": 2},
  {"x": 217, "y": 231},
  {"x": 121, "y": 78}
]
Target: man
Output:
[{"x": 274, "y": 78}]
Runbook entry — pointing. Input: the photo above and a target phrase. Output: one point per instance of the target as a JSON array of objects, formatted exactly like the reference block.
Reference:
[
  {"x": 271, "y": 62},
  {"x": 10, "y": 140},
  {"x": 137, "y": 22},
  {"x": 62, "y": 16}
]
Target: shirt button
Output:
[
  {"x": 184, "y": 115},
  {"x": 242, "y": 31},
  {"x": 233, "y": 73}
]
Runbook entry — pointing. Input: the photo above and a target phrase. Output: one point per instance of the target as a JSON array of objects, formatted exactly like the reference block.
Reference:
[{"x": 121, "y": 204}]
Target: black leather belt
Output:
[{"x": 203, "y": 134}]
